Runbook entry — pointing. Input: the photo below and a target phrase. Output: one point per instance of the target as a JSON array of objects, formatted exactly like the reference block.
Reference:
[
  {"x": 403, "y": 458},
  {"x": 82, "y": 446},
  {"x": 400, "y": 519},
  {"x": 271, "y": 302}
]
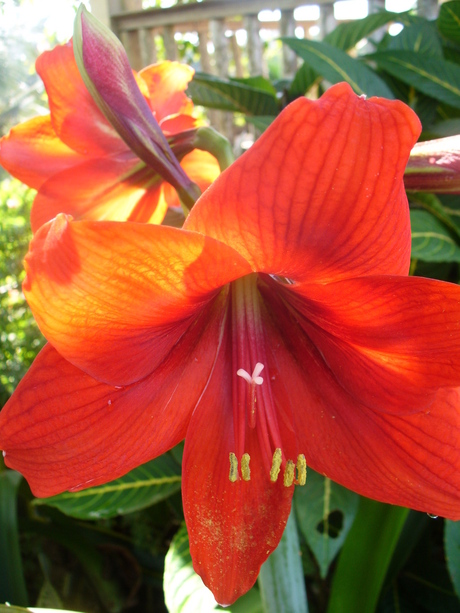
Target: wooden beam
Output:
[{"x": 210, "y": 9}]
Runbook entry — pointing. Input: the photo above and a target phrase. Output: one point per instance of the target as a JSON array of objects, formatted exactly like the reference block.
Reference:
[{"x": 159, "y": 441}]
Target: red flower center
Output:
[{"x": 253, "y": 404}]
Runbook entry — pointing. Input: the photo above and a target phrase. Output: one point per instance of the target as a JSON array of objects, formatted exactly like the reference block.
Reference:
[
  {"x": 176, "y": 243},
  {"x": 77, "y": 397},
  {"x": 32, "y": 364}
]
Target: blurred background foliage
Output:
[{"x": 123, "y": 546}]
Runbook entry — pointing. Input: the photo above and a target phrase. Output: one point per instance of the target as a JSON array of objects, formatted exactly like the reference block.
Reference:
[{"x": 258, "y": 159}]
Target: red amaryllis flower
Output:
[
  {"x": 278, "y": 329},
  {"x": 78, "y": 162}
]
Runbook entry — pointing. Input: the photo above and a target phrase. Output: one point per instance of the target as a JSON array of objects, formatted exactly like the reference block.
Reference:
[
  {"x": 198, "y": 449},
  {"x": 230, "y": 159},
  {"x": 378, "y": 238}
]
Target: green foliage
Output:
[
  {"x": 251, "y": 97},
  {"x": 335, "y": 65},
  {"x": 20, "y": 339},
  {"x": 184, "y": 589},
  {"x": 140, "y": 488},
  {"x": 449, "y": 21},
  {"x": 452, "y": 547},
  {"x": 12, "y": 585},
  {"x": 431, "y": 240},
  {"x": 325, "y": 512}
]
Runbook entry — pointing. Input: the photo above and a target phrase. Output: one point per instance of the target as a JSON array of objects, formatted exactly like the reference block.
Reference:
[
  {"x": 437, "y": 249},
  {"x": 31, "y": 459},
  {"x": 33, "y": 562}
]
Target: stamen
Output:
[
  {"x": 289, "y": 473},
  {"x": 276, "y": 465},
  {"x": 245, "y": 470},
  {"x": 233, "y": 476},
  {"x": 301, "y": 469}
]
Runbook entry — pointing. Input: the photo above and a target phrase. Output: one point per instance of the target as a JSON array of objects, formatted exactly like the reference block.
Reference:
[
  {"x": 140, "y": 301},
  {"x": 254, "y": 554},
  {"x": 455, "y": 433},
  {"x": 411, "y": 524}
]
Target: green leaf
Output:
[
  {"x": 281, "y": 579},
  {"x": 140, "y": 488},
  {"x": 231, "y": 95},
  {"x": 432, "y": 76},
  {"x": 452, "y": 550},
  {"x": 420, "y": 37},
  {"x": 335, "y": 66},
  {"x": 325, "y": 512},
  {"x": 449, "y": 127},
  {"x": 346, "y": 35},
  {"x": 431, "y": 241},
  {"x": 261, "y": 123},
  {"x": 184, "y": 590},
  {"x": 259, "y": 82},
  {"x": 365, "y": 557},
  {"x": 12, "y": 584},
  {"x": 304, "y": 78},
  {"x": 446, "y": 210},
  {"x": 449, "y": 20}
]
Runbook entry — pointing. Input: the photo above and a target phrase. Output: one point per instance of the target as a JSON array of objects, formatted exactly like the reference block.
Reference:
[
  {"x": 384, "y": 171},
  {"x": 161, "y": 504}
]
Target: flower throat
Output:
[{"x": 253, "y": 405}]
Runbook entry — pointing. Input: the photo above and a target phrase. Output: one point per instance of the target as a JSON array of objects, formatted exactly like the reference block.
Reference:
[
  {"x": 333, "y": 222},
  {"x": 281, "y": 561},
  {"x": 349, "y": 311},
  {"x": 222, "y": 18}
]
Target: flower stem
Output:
[
  {"x": 281, "y": 579},
  {"x": 207, "y": 139}
]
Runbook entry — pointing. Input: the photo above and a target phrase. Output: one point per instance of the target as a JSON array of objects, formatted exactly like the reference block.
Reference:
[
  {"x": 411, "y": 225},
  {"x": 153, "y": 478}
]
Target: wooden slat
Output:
[{"x": 209, "y": 9}]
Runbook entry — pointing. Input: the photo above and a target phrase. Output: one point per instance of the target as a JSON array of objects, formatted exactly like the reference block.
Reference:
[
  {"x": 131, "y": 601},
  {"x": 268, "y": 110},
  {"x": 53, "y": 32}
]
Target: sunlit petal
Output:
[
  {"x": 127, "y": 291},
  {"x": 320, "y": 195},
  {"x": 167, "y": 82},
  {"x": 75, "y": 117},
  {"x": 32, "y": 152},
  {"x": 64, "y": 430}
]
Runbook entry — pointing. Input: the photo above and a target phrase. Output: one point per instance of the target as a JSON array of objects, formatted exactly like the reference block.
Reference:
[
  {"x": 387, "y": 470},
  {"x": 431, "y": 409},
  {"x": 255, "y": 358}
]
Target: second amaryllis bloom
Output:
[
  {"x": 277, "y": 330},
  {"x": 78, "y": 162}
]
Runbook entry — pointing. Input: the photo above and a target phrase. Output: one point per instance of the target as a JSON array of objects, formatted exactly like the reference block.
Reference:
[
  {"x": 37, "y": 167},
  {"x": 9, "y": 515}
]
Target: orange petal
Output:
[
  {"x": 62, "y": 429},
  {"x": 391, "y": 342},
  {"x": 179, "y": 123},
  {"x": 100, "y": 189},
  {"x": 320, "y": 195},
  {"x": 408, "y": 460},
  {"x": 114, "y": 298},
  {"x": 167, "y": 82},
  {"x": 32, "y": 152},
  {"x": 75, "y": 116}
]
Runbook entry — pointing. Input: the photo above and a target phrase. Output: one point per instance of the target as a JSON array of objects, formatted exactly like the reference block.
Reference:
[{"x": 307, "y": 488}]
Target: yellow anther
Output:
[
  {"x": 301, "y": 469},
  {"x": 245, "y": 470},
  {"x": 233, "y": 476},
  {"x": 289, "y": 473},
  {"x": 276, "y": 465}
]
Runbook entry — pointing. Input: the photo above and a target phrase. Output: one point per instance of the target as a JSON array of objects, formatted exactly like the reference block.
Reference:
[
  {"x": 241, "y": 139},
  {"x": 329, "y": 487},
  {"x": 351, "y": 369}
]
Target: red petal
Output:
[
  {"x": 100, "y": 189},
  {"x": 114, "y": 298},
  {"x": 233, "y": 527},
  {"x": 410, "y": 460},
  {"x": 64, "y": 430},
  {"x": 179, "y": 123},
  {"x": 75, "y": 116},
  {"x": 32, "y": 152},
  {"x": 391, "y": 342},
  {"x": 167, "y": 82},
  {"x": 320, "y": 195}
]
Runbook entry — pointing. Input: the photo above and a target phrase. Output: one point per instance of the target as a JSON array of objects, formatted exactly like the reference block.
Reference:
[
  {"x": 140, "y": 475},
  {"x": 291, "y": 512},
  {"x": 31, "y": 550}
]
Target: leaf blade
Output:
[
  {"x": 140, "y": 488},
  {"x": 335, "y": 65},
  {"x": 434, "y": 77}
]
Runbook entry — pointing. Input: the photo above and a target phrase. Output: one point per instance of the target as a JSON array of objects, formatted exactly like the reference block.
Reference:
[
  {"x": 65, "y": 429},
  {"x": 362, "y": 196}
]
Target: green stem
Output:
[
  {"x": 207, "y": 139},
  {"x": 365, "y": 557},
  {"x": 281, "y": 579}
]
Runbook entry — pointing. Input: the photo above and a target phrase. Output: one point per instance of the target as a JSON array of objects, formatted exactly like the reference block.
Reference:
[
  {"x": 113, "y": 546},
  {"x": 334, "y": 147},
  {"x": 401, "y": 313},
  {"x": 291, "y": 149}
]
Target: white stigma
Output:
[{"x": 255, "y": 378}]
